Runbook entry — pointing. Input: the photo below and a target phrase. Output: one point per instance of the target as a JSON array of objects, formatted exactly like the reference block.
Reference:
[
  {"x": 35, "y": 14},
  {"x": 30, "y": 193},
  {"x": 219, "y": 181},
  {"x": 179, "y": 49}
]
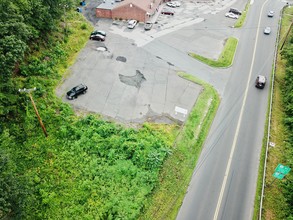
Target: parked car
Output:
[
  {"x": 176, "y": 3},
  {"x": 173, "y": 4},
  {"x": 167, "y": 11},
  {"x": 260, "y": 82},
  {"x": 231, "y": 15},
  {"x": 267, "y": 30},
  {"x": 170, "y": 4},
  {"x": 131, "y": 24},
  {"x": 235, "y": 11},
  {"x": 76, "y": 91},
  {"x": 97, "y": 37},
  {"x": 103, "y": 33},
  {"x": 271, "y": 14},
  {"x": 148, "y": 25}
]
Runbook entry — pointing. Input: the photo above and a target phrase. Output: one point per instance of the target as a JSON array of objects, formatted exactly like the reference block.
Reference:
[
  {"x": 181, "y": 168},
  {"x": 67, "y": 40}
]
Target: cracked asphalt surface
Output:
[{"x": 129, "y": 83}]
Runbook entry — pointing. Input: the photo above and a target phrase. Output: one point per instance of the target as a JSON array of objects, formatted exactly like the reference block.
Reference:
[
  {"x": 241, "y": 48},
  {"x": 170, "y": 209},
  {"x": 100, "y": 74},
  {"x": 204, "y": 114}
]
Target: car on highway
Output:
[
  {"x": 271, "y": 14},
  {"x": 131, "y": 24},
  {"x": 103, "y": 33},
  {"x": 167, "y": 11},
  {"x": 260, "y": 82},
  {"x": 76, "y": 91},
  {"x": 148, "y": 25},
  {"x": 231, "y": 15},
  {"x": 97, "y": 37},
  {"x": 235, "y": 11},
  {"x": 267, "y": 30}
]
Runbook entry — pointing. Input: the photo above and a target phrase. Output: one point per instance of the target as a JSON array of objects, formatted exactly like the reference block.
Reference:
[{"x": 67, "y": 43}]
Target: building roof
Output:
[
  {"x": 108, "y": 4},
  {"x": 142, "y": 4}
]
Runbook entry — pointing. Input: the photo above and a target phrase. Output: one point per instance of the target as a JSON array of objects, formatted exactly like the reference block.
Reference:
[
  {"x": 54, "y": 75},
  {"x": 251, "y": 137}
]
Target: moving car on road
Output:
[
  {"x": 267, "y": 30},
  {"x": 260, "y": 82},
  {"x": 231, "y": 15},
  {"x": 76, "y": 91},
  {"x": 271, "y": 14},
  {"x": 131, "y": 24}
]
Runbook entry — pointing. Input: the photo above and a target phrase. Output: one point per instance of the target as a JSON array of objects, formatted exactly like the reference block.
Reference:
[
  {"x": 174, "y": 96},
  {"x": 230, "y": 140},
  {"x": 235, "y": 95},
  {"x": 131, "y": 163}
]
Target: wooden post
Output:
[{"x": 35, "y": 108}]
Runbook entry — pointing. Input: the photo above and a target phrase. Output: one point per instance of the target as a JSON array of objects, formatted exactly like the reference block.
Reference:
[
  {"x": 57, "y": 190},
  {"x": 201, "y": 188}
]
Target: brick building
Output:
[{"x": 141, "y": 10}]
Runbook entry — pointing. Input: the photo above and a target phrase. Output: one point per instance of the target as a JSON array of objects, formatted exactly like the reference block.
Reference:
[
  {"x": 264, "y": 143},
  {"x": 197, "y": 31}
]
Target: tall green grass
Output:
[{"x": 178, "y": 168}]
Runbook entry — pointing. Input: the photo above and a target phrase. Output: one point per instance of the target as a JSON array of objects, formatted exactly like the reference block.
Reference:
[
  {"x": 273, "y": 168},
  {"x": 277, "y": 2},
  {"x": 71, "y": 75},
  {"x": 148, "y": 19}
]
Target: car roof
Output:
[{"x": 261, "y": 79}]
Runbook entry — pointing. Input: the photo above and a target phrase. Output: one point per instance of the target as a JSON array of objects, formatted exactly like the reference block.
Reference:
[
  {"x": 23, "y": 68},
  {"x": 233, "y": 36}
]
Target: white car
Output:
[
  {"x": 271, "y": 14},
  {"x": 267, "y": 30},
  {"x": 231, "y": 15},
  {"x": 173, "y": 4},
  {"x": 131, "y": 24}
]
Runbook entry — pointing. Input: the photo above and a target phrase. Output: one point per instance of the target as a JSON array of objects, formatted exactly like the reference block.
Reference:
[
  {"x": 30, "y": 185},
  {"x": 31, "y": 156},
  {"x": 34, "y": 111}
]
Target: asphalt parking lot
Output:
[{"x": 127, "y": 83}]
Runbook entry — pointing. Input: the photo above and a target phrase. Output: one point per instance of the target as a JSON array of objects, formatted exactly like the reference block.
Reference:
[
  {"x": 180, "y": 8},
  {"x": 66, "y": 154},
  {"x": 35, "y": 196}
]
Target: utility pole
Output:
[
  {"x": 64, "y": 15},
  {"x": 35, "y": 107}
]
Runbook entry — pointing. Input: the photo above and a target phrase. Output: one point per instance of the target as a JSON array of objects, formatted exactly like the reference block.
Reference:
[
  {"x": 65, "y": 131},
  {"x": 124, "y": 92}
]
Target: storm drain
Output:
[
  {"x": 102, "y": 48},
  {"x": 135, "y": 80}
]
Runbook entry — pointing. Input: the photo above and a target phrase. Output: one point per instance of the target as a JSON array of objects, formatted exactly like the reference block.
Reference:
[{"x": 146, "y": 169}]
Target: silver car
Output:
[
  {"x": 131, "y": 24},
  {"x": 267, "y": 30},
  {"x": 271, "y": 14},
  {"x": 148, "y": 25}
]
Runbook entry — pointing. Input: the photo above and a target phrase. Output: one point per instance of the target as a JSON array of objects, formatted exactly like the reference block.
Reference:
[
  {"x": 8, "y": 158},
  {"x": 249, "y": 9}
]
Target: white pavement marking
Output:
[
  {"x": 238, "y": 124},
  {"x": 180, "y": 110}
]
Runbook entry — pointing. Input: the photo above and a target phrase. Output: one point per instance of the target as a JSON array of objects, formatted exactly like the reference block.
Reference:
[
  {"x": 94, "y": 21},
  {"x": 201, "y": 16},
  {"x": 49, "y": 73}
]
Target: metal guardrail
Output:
[{"x": 270, "y": 112}]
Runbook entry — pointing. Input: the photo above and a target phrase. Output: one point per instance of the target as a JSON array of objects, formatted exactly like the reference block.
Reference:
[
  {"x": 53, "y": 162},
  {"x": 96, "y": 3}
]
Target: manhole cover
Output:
[{"x": 122, "y": 59}]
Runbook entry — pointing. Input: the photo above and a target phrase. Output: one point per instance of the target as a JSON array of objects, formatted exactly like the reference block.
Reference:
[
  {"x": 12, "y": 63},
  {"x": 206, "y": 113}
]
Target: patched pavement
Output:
[{"x": 128, "y": 83}]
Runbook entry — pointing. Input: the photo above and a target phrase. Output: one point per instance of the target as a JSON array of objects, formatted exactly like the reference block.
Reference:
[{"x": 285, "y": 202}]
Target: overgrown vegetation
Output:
[
  {"x": 86, "y": 168},
  {"x": 226, "y": 57},
  {"x": 178, "y": 168},
  {"x": 278, "y": 200}
]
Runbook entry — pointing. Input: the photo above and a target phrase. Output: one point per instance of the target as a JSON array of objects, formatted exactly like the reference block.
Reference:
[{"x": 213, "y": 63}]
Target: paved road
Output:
[
  {"x": 224, "y": 181},
  {"x": 163, "y": 51}
]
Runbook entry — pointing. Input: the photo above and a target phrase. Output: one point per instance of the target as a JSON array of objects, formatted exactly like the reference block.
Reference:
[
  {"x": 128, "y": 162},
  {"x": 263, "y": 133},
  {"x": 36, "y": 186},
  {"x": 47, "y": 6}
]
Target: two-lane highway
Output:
[{"x": 224, "y": 181}]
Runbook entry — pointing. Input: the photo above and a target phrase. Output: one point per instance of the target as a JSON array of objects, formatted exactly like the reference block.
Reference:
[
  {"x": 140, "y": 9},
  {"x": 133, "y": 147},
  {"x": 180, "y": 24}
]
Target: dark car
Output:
[
  {"x": 260, "y": 82},
  {"x": 76, "y": 91},
  {"x": 235, "y": 11},
  {"x": 167, "y": 11},
  {"x": 103, "y": 33},
  {"x": 97, "y": 37}
]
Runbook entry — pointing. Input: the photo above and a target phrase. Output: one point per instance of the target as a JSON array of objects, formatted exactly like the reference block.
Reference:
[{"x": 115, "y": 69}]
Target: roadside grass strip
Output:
[
  {"x": 226, "y": 57},
  {"x": 178, "y": 168},
  {"x": 239, "y": 23},
  {"x": 275, "y": 201}
]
